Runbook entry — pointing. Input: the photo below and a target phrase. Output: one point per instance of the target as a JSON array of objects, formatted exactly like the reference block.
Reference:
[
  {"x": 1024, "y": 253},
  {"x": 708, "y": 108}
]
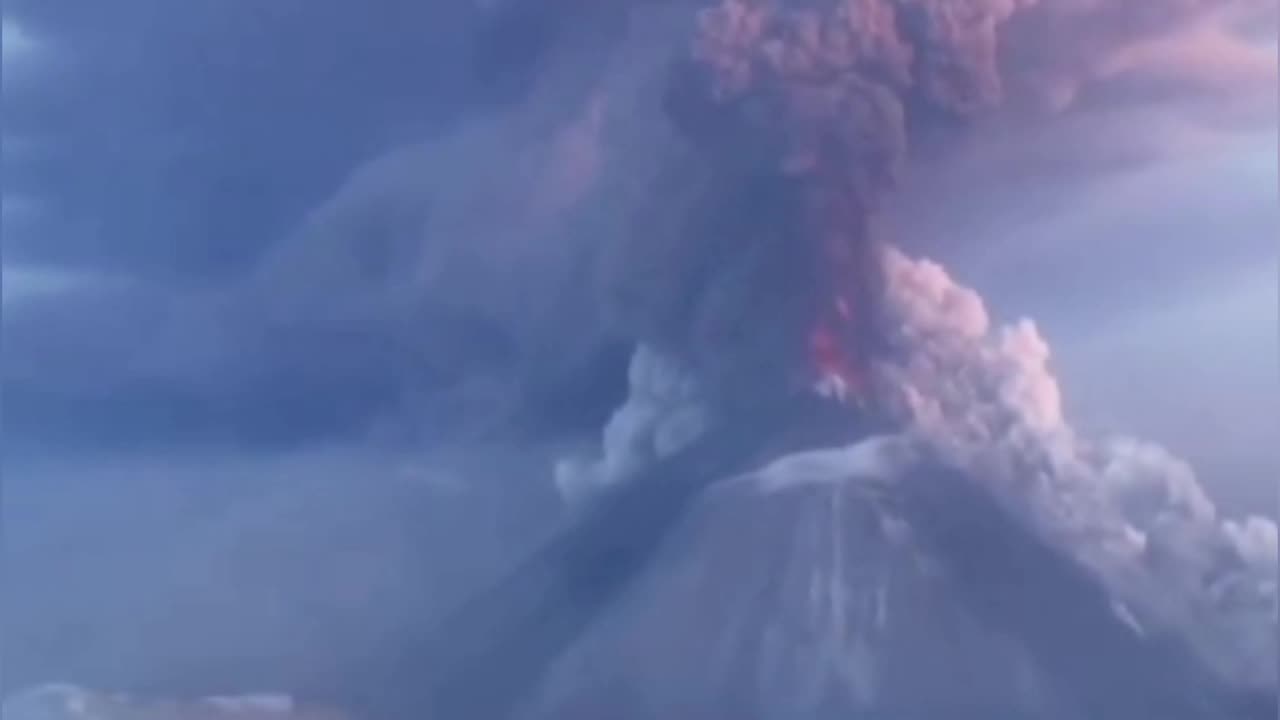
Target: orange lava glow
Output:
[{"x": 837, "y": 371}]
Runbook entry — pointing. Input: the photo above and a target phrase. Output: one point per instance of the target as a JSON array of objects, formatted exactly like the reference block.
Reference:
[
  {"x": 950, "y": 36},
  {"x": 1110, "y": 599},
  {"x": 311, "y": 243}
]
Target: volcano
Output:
[
  {"x": 774, "y": 569},
  {"x": 853, "y": 498}
]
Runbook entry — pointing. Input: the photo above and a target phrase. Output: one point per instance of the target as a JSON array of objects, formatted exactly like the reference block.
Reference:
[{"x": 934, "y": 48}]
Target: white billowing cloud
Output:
[
  {"x": 1255, "y": 540},
  {"x": 986, "y": 397},
  {"x": 665, "y": 411},
  {"x": 1151, "y": 486}
]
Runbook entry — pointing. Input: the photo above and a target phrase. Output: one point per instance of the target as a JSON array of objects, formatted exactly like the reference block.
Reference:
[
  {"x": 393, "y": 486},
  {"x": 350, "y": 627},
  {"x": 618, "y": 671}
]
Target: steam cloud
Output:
[
  {"x": 986, "y": 398},
  {"x": 665, "y": 411}
]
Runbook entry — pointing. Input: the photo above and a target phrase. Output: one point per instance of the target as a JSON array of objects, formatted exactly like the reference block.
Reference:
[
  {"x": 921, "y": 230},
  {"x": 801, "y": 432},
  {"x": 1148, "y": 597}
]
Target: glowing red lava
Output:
[{"x": 837, "y": 371}]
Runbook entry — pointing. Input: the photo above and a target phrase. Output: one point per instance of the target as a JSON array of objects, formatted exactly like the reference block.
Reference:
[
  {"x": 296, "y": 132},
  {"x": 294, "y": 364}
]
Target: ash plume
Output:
[
  {"x": 1133, "y": 513},
  {"x": 704, "y": 177},
  {"x": 797, "y": 117}
]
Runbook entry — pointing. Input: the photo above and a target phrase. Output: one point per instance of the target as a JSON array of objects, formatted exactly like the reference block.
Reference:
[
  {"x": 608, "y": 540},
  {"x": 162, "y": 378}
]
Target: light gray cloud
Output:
[{"x": 986, "y": 396}]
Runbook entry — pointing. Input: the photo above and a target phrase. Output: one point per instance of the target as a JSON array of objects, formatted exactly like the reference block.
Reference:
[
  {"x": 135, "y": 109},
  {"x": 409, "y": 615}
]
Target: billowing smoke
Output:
[
  {"x": 665, "y": 411},
  {"x": 800, "y": 116},
  {"x": 758, "y": 226},
  {"x": 982, "y": 397},
  {"x": 986, "y": 398}
]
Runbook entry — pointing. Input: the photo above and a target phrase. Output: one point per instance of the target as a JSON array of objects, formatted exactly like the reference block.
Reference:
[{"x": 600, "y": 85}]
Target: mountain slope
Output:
[{"x": 905, "y": 597}]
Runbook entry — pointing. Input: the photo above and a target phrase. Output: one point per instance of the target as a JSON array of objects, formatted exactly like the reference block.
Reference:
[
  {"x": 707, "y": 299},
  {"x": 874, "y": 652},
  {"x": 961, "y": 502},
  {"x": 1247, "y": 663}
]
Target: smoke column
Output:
[{"x": 761, "y": 240}]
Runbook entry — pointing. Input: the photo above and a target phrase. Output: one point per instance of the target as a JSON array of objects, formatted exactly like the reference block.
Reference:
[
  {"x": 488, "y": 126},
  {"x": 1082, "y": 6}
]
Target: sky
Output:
[{"x": 165, "y": 166}]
